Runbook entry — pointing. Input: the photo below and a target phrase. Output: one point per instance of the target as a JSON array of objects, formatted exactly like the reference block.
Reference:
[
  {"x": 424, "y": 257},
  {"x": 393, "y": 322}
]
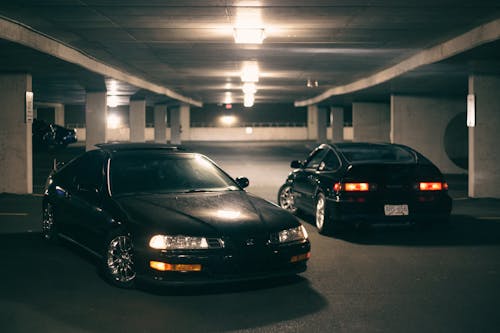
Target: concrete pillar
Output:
[
  {"x": 337, "y": 123},
  {"x": 422, "y": 122},
  {"x": 160, "y": 114},
  {"x": 371, "y": 122},
  {"x": 316, "y": 123},
  {"x": 59, "y": 114},
  {"x": 185, "y": 119},
  {"x": 175, "y": 126},
  {"x": 95, "y": 119},
  {"x": 137, "y": 120},
  {"x": 16, "y": 155},
  {"x": 484, "y": 143}
]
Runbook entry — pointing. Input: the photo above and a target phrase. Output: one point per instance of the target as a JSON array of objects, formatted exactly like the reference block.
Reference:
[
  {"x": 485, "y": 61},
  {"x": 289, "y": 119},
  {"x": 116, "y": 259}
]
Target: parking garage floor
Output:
[{"x": 384, "y": 279}]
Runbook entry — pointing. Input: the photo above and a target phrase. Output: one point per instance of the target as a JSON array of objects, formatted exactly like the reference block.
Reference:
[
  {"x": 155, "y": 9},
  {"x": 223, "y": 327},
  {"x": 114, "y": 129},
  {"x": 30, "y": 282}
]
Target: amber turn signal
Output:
[{"x": 163, "y": 266}]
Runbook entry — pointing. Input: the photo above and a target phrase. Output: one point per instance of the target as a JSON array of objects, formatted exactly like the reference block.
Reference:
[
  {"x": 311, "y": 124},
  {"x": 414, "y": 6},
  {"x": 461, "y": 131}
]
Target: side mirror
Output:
[
  {"x": 296, "y": 164},
  {"x": 243, "y": 181}
]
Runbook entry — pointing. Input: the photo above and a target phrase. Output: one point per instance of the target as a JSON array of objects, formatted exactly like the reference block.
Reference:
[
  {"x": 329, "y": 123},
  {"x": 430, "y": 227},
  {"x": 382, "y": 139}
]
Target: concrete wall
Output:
[
  {"x": 371, "y": 122},
  {"x": 421, "y": 123},
  {"x": 224, "y": 134}
]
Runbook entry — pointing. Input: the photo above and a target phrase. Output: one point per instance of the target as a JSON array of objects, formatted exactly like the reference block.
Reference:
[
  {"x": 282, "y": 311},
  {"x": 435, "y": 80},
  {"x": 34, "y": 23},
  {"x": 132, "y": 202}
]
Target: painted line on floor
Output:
[{"x": 13, "y": 214}]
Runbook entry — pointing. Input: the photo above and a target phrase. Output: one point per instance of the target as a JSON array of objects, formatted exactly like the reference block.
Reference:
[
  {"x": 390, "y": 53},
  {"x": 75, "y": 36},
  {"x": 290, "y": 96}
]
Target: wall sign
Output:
[
  {"x": 471, "y": 110},
  {"x": 29, "y": 107}
]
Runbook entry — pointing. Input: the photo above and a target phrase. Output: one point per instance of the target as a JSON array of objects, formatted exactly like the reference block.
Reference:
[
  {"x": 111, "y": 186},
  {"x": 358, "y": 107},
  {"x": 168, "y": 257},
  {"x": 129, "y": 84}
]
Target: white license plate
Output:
[{"x": 395, "y": 210}]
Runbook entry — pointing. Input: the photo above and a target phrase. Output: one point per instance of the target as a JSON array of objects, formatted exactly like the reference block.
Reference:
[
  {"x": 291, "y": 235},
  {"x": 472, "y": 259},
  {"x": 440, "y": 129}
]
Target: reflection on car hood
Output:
[{"x": 208, "y": 214}]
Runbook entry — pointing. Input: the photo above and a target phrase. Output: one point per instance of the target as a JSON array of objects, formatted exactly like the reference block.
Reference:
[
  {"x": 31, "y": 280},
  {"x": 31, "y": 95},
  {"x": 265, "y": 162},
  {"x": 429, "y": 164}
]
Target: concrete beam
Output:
[
  {"x": 478, "y": 36},
  {"x": 22, "y": 34}
]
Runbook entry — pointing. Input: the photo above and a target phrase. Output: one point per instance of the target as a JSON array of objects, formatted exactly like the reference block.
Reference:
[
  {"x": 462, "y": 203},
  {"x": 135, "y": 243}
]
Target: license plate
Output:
[{"x": 395, "y": 210}]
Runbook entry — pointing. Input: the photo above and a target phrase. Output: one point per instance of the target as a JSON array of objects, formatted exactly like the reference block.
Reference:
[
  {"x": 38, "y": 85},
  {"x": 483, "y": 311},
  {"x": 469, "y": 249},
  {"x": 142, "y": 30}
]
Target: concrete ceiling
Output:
[{"x": 188, "y": 47}]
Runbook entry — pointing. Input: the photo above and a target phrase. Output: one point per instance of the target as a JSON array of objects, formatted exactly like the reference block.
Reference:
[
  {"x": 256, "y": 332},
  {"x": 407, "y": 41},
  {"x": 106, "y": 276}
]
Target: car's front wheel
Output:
[
  {"x": 119, "y": 260},
  {"x": 286, "y": 198}
]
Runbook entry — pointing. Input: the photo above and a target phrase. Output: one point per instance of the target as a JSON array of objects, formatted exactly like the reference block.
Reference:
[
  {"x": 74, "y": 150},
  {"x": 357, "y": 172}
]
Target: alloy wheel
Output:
[
  {"x": 120, "y": 259},
  {"x": 287, "y": 200},
  {"x": 320, "y": 212}
]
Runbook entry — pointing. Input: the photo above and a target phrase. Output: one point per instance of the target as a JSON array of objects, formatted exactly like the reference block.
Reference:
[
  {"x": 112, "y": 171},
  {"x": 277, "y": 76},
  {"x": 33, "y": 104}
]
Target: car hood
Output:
[{"x": 208, "y": 214}]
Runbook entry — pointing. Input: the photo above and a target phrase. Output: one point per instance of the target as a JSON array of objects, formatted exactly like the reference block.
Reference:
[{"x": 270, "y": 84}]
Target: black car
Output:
[
  {"x": 46, "y": 135},
  {"x": 165, "y": 215},
  {"x": 366, "y": 183}
]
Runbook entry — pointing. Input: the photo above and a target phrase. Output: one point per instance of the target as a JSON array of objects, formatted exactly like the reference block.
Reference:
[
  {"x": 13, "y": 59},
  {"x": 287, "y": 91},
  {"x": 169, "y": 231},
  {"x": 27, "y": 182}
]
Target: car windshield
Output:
[
  {"x": 383, "y": 153},
  {"x": 166, "y": 173}
]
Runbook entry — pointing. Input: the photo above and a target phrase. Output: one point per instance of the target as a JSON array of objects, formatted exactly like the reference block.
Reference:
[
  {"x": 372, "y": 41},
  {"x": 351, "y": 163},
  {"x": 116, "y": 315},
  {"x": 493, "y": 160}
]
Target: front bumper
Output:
[{"x": 223, "y": 265}]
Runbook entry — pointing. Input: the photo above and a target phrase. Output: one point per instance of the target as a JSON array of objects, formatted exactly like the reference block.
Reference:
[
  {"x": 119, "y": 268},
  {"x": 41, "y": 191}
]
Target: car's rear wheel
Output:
[
  {"x": 323, "y": 223},
  {"x": 286, "y": 198},
  {"x": 49, "y": 228},
  {"x": 119, "y": 260}
]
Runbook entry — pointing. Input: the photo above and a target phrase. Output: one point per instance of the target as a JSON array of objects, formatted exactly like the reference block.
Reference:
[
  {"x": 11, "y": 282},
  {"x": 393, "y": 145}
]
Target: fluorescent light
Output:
[
  {"x": 249, "y": 88},
  {"x": 112, "y": 101},
  {"x": 228, "y": 98},
  {"x": 248, "y": 100},
  {"x": 228, "y": 120},
  {"x": 250, "y": 71},
  {"x": 249, "y": 35}
]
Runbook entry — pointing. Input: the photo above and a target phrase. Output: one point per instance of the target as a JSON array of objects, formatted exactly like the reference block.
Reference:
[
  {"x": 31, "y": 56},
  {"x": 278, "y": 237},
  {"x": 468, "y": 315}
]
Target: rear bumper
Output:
[
  {"x": 223, "y": 266},
  {"x": 423, "y": 209}
]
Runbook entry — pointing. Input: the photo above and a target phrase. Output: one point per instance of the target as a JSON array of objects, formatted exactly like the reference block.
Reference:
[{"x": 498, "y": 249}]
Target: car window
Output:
[
  {"x": 315, "y": 159},
  {"x": 330, "y": 163},
  {"x": 384, "y": 153},
  {"x": 167, "y": 173},
  {"x": 89, "y": 172}
]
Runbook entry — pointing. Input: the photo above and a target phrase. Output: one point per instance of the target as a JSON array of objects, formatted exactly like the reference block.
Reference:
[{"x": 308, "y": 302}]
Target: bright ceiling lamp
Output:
[
  {"x": 112, "y": 101},
  {"x": 248, "y": 28},
  {"x": 228, "y": 120},
  {"x": 249, "y": 35},
  {"x": 249, "y": 88},
  {"x": 250, "y": 71},
  {"x": 248, "y": 100},
  {"x": 114, "y": 121}
]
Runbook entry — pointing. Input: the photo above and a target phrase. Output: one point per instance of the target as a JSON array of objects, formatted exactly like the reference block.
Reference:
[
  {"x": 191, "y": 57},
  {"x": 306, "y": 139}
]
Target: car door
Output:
[
  {"x": 89, "y": 219},
  {"x": 305, "y": 181}
]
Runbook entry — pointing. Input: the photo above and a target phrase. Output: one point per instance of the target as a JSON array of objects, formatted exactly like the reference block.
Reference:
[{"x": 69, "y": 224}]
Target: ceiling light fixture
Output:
[
  {"x": 248, "y": 100},
  {"x": 250, "y": 71},
  {"x": 249, "y": 88},
  {"x": 249, "y": 35},
  {"x": 112, "y": 101}
]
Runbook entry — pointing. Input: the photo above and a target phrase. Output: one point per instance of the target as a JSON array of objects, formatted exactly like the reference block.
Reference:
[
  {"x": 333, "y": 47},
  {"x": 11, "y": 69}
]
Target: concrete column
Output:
[
  {"x": 316, "y": 123},
  {"x": 137, "y": 121},
  {"x": 59, "y": 114},
  {"x": 422, "y": 123},
  {"x": 175, "y": 126},
  {"x": 371, "y": 122},
  {"x": 484, "y": 143},
  {"x": 185, "y": 120},
  {"x": 95, "y": 119},
  {"x": 337, "y": 123},
  {"x": 160, "y": 115},
  {"x": 16, "y": 155}
]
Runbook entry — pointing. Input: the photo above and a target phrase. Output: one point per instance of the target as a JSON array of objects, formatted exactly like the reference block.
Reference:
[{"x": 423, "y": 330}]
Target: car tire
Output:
[
  {"x": 286, "y": 199},
  {"x": 118, "y": 260},
  {"x": 321, "y": 215},
  {"x": 49, "y": 227}
]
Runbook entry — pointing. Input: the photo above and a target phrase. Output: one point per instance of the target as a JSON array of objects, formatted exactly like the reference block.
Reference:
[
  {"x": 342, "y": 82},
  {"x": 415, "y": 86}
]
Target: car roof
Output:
[{"x": 113, "y": 147}]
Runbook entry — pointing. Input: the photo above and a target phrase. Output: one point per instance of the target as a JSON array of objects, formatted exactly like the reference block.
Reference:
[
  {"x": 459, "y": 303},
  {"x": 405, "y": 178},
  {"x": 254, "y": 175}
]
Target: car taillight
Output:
[
  {"x": 351, "y": 187},
  {"x": 433, "y": 186}
]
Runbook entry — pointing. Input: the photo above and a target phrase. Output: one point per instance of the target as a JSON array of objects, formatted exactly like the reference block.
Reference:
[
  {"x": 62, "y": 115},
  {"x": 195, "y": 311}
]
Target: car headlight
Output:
[
  {"x": 165, "y": 242},
  {"x": 291, "y": 235}
]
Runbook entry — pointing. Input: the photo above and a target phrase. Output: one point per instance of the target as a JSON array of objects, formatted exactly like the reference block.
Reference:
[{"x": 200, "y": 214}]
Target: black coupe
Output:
[
  {"x": 366, "y": 183},
  {"x": 164, "y": 215}
]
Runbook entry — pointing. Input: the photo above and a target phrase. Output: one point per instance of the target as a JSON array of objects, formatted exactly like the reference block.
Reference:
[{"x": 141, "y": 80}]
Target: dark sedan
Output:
[
  {"x": 366, "y": 183},
  {"x": 47, "y": 135},
  {"x": 164, "y": 215}
]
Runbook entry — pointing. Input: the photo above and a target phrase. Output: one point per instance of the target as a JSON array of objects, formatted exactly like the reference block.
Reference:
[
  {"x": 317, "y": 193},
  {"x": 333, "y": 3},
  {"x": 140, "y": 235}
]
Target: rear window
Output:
[{"x": 377, "y": 153}]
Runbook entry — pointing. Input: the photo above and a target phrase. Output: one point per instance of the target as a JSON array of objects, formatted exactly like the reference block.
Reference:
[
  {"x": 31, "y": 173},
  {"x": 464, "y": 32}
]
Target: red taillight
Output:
[
  {"x": 433, "y": 186},
  {"x": 351, "y": 187}
]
